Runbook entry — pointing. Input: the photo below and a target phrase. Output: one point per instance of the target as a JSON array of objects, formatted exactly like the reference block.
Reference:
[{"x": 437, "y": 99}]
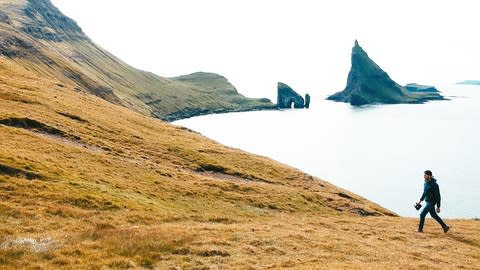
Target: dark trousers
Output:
[{"x": 429, "y": 208}]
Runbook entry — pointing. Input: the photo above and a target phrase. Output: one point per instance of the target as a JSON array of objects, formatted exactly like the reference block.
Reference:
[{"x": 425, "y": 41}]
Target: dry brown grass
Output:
[
  {"x": 293, "y": 241},
  {"x": 85, "y": 184}
]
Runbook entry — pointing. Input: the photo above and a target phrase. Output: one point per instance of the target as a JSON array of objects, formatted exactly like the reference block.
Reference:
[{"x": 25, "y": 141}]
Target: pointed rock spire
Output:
[{"x": 367, "y": 83}]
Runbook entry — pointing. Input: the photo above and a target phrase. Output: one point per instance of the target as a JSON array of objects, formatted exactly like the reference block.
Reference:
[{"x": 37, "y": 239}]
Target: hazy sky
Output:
[{"x": 306, "y": 44}]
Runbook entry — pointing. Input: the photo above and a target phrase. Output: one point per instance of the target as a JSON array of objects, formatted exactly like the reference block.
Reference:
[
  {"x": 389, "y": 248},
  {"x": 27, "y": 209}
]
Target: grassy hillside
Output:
[
  {"x": 36, "y": 35},
  {"x": 86, "y": 184},
  {"x": 89, "y": 181}
]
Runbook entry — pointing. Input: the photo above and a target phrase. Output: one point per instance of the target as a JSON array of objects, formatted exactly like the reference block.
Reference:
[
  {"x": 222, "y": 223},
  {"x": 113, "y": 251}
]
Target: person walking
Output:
[{"x": 431, "y": 194}]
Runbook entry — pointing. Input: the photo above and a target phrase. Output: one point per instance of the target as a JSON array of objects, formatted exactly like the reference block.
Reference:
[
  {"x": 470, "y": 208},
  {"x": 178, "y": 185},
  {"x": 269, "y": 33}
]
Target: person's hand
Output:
[
  {"x": 419, "y": 202},
  {"x": 438, "y": 209}
]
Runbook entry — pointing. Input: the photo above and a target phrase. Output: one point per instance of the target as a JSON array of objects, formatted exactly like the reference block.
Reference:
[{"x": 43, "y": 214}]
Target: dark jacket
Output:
[{"x": 431, "y": 192}]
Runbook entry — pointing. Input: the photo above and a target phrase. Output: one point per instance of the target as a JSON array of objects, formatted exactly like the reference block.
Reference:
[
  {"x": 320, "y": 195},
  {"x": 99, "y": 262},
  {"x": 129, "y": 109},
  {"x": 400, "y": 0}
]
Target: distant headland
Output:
[{"x": 470, "y": 82}]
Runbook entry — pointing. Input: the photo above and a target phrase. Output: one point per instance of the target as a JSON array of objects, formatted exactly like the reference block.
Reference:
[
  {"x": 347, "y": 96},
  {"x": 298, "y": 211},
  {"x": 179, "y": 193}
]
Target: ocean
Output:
[{"x": 378, "y": 152}]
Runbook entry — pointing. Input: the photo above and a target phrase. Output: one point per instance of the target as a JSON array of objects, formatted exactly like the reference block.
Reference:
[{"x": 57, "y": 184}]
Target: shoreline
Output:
[
  {"x": 411, "y": 111},
  {"x": 185, "y": 114}
]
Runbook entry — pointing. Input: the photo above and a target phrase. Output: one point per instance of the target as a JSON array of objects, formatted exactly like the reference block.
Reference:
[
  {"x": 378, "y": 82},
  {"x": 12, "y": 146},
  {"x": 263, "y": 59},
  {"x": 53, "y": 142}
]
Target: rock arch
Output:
[{"x": 287, "y": 96}]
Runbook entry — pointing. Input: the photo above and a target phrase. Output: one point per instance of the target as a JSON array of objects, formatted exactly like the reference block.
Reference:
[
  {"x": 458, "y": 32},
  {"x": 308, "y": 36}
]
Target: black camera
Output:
[{"x": 418, "y": 206}]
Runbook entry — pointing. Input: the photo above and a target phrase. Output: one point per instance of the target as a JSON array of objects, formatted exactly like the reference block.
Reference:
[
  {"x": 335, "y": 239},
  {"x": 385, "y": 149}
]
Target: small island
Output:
[
  {"x": 470, "y": 82},
  {"x": 367, "y": 83}
]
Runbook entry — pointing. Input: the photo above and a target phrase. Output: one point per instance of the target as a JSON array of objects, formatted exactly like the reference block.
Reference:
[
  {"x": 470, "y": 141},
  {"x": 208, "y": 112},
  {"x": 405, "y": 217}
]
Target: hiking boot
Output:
[
  {"x": 420, "y": 231},
  {"x": 445, "y": 229}
]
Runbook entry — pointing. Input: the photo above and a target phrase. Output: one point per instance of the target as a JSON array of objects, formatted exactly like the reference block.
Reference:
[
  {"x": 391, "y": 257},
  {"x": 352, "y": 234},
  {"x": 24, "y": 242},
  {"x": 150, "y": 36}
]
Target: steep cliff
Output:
[{"x": 38, "y": 36}]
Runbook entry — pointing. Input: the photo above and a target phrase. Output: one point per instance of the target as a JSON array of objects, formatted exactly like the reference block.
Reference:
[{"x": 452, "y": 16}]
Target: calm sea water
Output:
[{"x": 378, "y": 152}]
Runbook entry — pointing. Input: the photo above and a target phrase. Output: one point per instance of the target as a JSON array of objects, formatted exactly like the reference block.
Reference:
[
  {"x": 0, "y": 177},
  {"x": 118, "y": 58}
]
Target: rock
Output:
[
  {"x": 287, "y": 96},
  {"x": 4, "y": 18},
  {"x": 367, "y": 83},
  {"x": 46, "y": 22},
  {"x": 413, "y": 87},
  {"x": 11, "y": 46}
]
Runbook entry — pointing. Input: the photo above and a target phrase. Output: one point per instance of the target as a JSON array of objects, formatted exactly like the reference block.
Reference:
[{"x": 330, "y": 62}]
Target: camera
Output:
[{"x": 418, "y": 206}]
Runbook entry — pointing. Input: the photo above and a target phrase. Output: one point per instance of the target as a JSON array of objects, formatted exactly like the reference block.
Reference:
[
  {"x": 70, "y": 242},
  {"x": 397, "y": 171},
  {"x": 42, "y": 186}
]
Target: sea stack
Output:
[
  {"x": 367, "y": 83},
  {"x": 307, "y": 101},
  {"x": 287, "y": 96}
]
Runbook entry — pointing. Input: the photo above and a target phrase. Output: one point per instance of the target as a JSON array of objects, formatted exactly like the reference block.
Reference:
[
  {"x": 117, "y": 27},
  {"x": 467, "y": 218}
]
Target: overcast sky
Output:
[{"x": 304, "y": 43}]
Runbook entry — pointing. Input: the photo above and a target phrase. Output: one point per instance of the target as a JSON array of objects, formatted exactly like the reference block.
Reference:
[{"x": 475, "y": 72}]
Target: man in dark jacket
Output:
[{"x": 431, "y": 194}]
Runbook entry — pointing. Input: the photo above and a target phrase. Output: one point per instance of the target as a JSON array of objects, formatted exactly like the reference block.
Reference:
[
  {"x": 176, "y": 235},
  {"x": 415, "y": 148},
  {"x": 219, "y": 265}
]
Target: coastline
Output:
[{"x": 189, "y": 113}]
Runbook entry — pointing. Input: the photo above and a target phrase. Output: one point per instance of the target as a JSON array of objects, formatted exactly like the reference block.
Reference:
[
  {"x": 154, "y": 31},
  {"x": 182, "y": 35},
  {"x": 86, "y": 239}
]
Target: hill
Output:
[
  {"x": 36, "y": 35},
  {"x": 367, "y": 83},
  {"x": 71, "y": 162},
  {"x": 88, "y": 184}
]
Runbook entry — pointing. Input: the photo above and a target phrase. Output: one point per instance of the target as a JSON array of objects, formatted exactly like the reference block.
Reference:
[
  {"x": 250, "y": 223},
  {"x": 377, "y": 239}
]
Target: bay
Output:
[{"x": 378, "y": 152}]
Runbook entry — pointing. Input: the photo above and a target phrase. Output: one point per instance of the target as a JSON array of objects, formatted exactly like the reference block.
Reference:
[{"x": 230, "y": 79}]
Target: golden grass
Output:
[
  {"x": 290, "y": 241},
  {"x": 85, "y": 184}
]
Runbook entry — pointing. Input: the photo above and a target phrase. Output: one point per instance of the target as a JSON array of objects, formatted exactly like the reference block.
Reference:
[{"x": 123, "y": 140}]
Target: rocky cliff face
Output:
[
  {"x": 46, "y": 22},
  {"x": 367, "y": 83},
  {"x": 287, "y": 97}
]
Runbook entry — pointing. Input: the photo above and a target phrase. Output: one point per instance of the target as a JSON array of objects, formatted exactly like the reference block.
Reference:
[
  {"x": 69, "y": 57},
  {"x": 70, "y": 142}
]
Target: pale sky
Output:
[{"x": 304, "y": 43}]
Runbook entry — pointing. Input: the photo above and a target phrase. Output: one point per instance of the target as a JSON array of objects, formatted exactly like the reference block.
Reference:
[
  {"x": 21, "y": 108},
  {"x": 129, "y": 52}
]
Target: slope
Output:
[
  {"x": 87, "y": 184},
  {"x": 39, "y": 37}
]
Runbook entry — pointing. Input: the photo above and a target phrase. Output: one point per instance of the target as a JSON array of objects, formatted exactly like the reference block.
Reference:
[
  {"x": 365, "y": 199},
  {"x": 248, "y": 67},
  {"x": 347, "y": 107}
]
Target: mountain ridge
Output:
[{"x": 37, "y": 32}]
